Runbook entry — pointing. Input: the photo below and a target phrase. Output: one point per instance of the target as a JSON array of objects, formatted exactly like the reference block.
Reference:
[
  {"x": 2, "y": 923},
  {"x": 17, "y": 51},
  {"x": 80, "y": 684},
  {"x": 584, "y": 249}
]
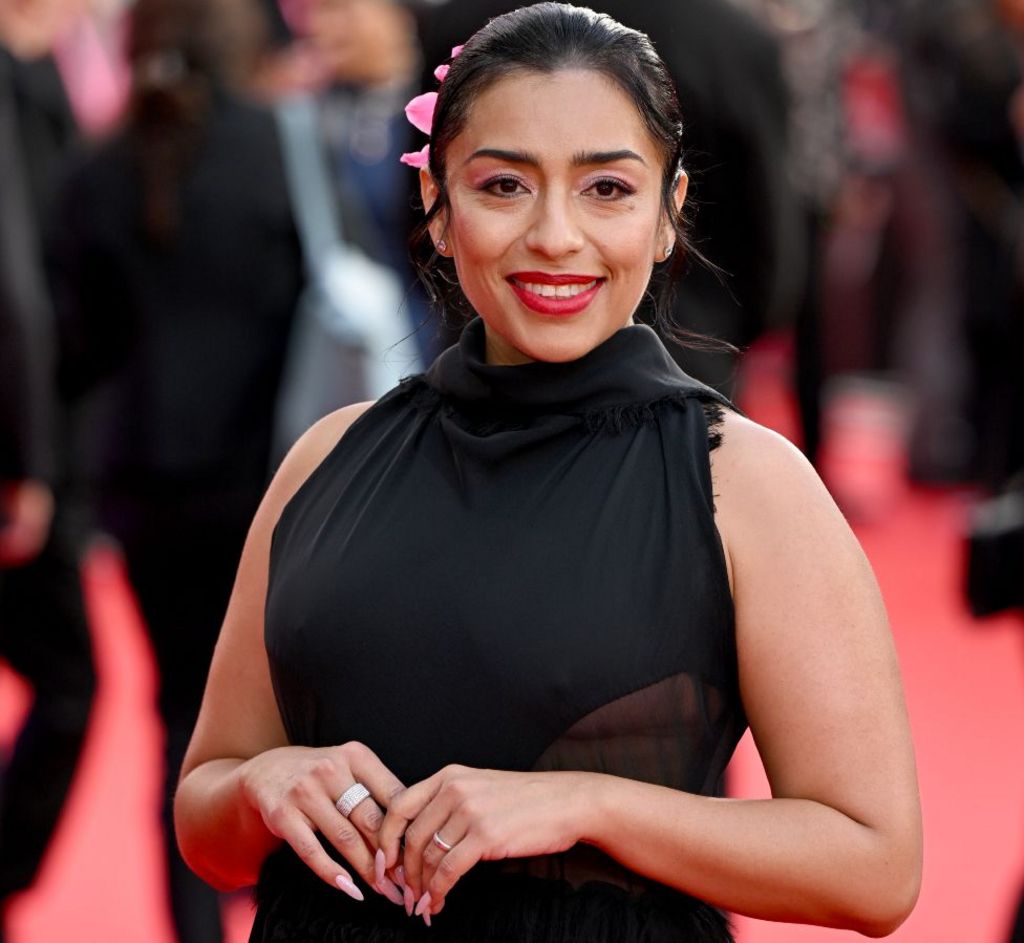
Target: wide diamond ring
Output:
[
  {"x": 441, "y": 843},
  {"x": 350, "y": 798}
]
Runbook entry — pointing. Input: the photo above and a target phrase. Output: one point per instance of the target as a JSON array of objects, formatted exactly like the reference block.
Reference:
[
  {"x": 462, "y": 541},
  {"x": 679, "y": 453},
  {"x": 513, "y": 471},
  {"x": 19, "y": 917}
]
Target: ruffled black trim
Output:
[
  {"x": 714, "y": 415},
  {"x": 486, "y": 907}
]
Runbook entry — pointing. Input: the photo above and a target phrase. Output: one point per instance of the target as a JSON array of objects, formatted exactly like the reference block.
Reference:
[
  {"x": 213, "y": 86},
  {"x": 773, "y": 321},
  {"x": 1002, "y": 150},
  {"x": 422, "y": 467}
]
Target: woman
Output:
[
  {"x": 494, "y": 638},
  {"x": 162, "y": 229}
]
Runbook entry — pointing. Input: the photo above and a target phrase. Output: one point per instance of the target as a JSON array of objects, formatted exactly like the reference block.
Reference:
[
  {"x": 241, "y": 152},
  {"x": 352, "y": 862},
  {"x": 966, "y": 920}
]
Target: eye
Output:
[
  {"x": 504, "y": 186},
  {"x": 610, "y": 189}
]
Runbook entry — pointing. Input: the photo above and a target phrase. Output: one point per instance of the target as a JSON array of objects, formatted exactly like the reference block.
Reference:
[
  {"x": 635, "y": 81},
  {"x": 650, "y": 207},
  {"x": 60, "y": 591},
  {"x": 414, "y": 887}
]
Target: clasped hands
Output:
[{"x": 388, "y": 839}]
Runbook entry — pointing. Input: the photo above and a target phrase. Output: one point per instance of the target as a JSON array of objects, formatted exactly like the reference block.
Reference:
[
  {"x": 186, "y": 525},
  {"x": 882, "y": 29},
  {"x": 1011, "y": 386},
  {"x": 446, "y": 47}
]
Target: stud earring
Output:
[
  {"x": 668, "y": 252},
  {"x": 442, "y": 246}
]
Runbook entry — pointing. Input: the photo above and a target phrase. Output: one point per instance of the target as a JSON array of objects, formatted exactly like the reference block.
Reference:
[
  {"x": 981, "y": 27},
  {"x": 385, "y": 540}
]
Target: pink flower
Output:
[
  {"x": 420, "y": 111},
  {"x": 441, "y": 71},
  {"x": 457, "y": 49},
  {"x": 417, "y": 159}
]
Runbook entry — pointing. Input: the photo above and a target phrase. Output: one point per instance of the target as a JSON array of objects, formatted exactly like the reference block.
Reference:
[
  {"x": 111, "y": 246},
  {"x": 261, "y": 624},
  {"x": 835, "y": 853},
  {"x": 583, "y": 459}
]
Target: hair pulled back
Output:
[
  {"x": 545, "y": 38},
  {"x": 180, "y": 52}
]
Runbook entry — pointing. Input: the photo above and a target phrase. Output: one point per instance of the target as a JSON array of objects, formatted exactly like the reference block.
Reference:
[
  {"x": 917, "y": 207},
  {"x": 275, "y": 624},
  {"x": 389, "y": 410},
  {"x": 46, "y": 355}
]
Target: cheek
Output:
[
  {"x": 631, "y": 245},
  {"x": 479, "y": 236}
]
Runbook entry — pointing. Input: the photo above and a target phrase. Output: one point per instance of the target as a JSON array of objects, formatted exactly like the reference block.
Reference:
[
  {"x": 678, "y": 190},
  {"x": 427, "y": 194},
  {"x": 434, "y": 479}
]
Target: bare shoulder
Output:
[
  {"x": 752, "y": 455},
  {"x": 767, "y": 494},
  {"x": 306, "y": 456}
]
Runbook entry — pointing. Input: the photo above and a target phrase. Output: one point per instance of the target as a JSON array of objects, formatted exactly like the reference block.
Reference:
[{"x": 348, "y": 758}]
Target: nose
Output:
[{"x": 554, "y": 230}]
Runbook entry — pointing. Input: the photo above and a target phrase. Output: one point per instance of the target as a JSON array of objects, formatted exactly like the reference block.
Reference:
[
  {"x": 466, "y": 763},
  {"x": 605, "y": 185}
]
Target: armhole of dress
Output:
[
  {"x": 318, "y": 470},
  {"x": 714, "y": 416}
]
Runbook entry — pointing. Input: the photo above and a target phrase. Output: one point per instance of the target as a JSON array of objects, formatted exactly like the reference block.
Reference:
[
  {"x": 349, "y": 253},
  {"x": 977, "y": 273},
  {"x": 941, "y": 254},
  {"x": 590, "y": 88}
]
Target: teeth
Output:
[{"x": 557, "y": 291}]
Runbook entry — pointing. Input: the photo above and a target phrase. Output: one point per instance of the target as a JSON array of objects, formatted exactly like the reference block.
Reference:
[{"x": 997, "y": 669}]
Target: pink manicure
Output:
[
  {"x": 410, "y": 900},
  {"x": 390, "y": 891},
  {"x": 424, "y": 904},
  {"x": 426, "y": 917},
  {"x": 400, "y": 877},
  {"x": 379, "y": 864},
  {"x": 345, "y": 884}
]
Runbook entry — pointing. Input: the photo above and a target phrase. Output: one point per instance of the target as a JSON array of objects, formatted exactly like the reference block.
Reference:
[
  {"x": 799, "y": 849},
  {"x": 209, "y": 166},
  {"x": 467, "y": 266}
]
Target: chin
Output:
[{"x": 557, "y": 341}]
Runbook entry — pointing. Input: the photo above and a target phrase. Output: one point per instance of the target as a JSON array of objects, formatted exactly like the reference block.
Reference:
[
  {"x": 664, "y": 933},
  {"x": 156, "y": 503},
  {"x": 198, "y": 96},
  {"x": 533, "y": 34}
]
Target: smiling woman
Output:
[
  {"x": 534, "y": 204},
  {"x": 495, "y": 637}
]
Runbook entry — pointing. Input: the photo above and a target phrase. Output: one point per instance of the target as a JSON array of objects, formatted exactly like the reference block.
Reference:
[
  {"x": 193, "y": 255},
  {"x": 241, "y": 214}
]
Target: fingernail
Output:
[
  {"x": 424, "y": 904},
  {"x": 379, "y": 864},
  {"x": 400, "y": 877},
  {"x": 426, "y": 917},
  {"x": 410, "y": 900},
  {"x": 348, "y": 887},
  {"x": 388, "y": 889}
]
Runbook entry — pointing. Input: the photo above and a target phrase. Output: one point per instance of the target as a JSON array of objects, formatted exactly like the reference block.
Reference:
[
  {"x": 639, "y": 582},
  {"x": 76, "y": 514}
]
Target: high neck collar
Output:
[{"x": 631, "y": 367}]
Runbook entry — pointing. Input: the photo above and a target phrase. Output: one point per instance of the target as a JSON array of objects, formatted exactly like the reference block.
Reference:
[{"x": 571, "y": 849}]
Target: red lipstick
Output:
[{"x": 550, "y": 304}]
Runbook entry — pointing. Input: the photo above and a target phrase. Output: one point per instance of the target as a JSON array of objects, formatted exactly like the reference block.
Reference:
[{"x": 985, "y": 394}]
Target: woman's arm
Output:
[
  {"x": 243, "y": 789},
  {"x": 839, "y": 844}
]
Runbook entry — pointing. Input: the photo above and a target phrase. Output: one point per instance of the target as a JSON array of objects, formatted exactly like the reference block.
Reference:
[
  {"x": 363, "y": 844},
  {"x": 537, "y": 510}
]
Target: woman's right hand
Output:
[{"x": 295, "y": 789}]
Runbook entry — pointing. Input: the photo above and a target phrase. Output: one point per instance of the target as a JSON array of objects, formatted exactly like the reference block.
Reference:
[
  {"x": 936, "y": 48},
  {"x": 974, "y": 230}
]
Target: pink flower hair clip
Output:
[{"x": 420, "y": 112}]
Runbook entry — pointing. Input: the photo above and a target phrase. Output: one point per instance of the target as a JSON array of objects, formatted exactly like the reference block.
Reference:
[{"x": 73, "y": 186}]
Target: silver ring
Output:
[
  {"x": 441, "y": 843},
  {"x": 350, "y": 798}
]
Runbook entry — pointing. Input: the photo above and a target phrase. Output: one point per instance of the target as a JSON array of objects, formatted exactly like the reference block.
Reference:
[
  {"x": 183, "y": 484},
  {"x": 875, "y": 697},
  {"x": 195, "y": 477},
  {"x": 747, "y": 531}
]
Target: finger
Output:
[
  {"x": 355, "y": 765},
  {"x": 450, "y": 868},
  {"x": 343, "y": 836},
  {"x": 403, "y": 808},
  {"x": 362, "y": 766},
  {"x": 367, "y": 769},
  {"x": 299, "y": 834},
  {"x": 420, "y": 851},
  {"x": 451, "y": 834},
  {"x": 367, "y": 817}
]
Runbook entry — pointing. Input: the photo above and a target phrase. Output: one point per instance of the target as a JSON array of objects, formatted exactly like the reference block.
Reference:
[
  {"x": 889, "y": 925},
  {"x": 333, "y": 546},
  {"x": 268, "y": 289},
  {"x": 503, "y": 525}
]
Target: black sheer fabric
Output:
[{"x": 512, "y": 568}]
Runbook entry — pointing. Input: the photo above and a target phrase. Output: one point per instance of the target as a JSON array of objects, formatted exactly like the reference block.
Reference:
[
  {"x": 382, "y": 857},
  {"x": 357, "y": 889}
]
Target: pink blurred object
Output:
[
  {"x": 873, "y": 104},
  {"x": 90, "y": 56},
  {"x": 296, "y": 15},
  {"x": 863, "y": 454},
  {"x": 441, "y": 72}
]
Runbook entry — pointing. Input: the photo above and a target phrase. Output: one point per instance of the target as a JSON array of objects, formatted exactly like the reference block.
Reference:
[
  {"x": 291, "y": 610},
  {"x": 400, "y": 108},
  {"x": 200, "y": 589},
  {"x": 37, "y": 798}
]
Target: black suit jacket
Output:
[
  {"x": 185, "y": 340},
  {"x": 26, "y": 328}
]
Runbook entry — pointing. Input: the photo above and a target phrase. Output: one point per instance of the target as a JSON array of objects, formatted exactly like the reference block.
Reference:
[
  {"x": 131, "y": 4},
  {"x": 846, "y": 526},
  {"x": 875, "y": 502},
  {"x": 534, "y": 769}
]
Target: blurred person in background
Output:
[
  {"x": 177, "y": 270},
  {"x": 817, "y": 38},
  {"x": 969, "y": 57},
  {"x": 967, "y": 65},
  {"x": 369, "y": 51},
  {"x": 728, "y": 69},
  {"x": 44, "y": 635}
]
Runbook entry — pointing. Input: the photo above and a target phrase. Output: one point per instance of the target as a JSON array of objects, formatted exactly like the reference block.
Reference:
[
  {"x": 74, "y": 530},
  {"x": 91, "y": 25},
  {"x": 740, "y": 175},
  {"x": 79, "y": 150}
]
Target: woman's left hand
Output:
[{"x": 483, "y": 815}]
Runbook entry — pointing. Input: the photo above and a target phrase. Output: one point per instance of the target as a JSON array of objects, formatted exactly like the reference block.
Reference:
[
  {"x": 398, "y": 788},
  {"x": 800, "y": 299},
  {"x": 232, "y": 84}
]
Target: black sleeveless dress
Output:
[{"x": 517, "y": 568}]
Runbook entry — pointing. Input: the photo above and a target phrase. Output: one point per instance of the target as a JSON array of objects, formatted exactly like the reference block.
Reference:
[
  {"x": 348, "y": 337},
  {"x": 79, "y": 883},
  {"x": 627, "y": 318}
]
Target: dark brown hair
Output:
[{"x": 181, "y": 52}]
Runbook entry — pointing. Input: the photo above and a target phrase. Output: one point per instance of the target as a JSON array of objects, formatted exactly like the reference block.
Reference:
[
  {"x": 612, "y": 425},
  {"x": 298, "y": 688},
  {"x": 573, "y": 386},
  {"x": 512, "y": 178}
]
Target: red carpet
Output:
[{"x": 965, "y": 687}]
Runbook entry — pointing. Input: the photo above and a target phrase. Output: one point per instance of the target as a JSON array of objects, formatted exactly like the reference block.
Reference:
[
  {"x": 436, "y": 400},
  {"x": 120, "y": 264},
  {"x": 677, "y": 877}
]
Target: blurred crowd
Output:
[{"x": 857, "y": 184}]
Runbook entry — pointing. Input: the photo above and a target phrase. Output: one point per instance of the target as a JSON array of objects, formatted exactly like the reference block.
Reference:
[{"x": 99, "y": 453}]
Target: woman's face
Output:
[{"x": 556, "y": 219}]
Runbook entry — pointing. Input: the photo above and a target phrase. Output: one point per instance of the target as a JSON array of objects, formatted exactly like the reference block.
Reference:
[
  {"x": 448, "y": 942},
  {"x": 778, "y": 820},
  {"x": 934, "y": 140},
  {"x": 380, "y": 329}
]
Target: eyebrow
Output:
[{"x": 579, "y": 159}]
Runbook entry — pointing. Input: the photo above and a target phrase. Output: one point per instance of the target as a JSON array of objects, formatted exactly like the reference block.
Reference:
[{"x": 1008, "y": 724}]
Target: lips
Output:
[{"x": 552, "y": 294}]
